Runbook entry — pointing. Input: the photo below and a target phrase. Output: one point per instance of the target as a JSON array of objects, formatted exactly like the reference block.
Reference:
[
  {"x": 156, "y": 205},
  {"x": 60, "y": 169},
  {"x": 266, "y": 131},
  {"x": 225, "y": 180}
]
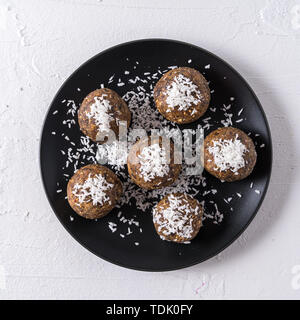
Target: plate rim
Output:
[{"x": 227, "y": 244}]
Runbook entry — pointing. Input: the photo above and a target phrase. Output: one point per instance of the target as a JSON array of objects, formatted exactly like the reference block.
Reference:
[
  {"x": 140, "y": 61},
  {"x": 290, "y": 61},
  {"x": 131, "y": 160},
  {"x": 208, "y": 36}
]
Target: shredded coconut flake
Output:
[
  {"x": 100, "y": 112},
  {"x": 154, "y": 162},
  {"x": 182, "y": 93},
  {"x": 93, "y": 189},
  {"x": 228, "y": 154},
  {"x": 176, "y": 218}
]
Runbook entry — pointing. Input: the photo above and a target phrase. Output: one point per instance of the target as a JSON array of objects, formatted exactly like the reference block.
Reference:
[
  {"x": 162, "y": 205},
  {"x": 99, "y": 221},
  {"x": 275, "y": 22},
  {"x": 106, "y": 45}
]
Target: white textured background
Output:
[{"x": 43, "y": 42}]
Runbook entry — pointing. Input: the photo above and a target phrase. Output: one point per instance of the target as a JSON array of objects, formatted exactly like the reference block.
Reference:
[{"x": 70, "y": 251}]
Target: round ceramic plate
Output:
[{"x": 121, "y": 68}]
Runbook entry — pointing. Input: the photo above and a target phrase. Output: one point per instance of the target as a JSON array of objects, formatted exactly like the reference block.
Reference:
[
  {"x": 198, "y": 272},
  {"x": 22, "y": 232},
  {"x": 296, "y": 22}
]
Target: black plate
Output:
[{"x": 154, "y": 254}]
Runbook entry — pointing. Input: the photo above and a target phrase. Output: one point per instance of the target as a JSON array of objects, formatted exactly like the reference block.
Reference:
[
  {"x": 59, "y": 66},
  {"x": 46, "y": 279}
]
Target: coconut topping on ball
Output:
[
  {"x": 182, "y": 93},
  {"x": 93, "y": 189},
  {"x": 154, "y": 162},
  {"x": 100, "y": 112},
  {"x": 176, "y": 218},
  {"x": 228, "y": 154}
]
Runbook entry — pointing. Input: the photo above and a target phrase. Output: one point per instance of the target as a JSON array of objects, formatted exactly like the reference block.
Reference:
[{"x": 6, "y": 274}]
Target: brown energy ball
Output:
[
  {"x": 93, "y": 191},
  {"x": 177, "y": 217},
  {"x": 182, "y": 95},
  {"x": 101, "y": 111},
  {"x": 151, "y": 163},
  {"x": 229, "y": 154}
]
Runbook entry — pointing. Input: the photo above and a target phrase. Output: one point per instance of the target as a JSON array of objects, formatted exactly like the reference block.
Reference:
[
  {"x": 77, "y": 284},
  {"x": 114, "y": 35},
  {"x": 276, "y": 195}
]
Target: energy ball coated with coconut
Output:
[
  {"x": 151, "y": 163},
  {"x": 182, "y": 95},
  {"x": 178, "y": 217},
  {"x": 93, "y": 191},
  {"x": 229, "y": 154},
  {"x": 100, "y": 112}
]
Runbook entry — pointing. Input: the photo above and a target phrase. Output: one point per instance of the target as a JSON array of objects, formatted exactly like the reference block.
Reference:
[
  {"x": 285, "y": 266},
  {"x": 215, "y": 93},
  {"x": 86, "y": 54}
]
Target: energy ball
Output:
[
  {"x": 177, "y": 217},
  {"x": 93, "y": 191},
  {"x": 153, "y": 165},
  {"x": 229, "y": 154},
  {"x": 100, "y": 112},
  {"x": 182, "y": 95}
]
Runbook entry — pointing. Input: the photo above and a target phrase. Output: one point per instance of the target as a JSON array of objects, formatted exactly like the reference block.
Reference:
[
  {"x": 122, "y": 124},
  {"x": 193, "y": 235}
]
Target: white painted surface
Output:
[{"x": 42, "y": 42}]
